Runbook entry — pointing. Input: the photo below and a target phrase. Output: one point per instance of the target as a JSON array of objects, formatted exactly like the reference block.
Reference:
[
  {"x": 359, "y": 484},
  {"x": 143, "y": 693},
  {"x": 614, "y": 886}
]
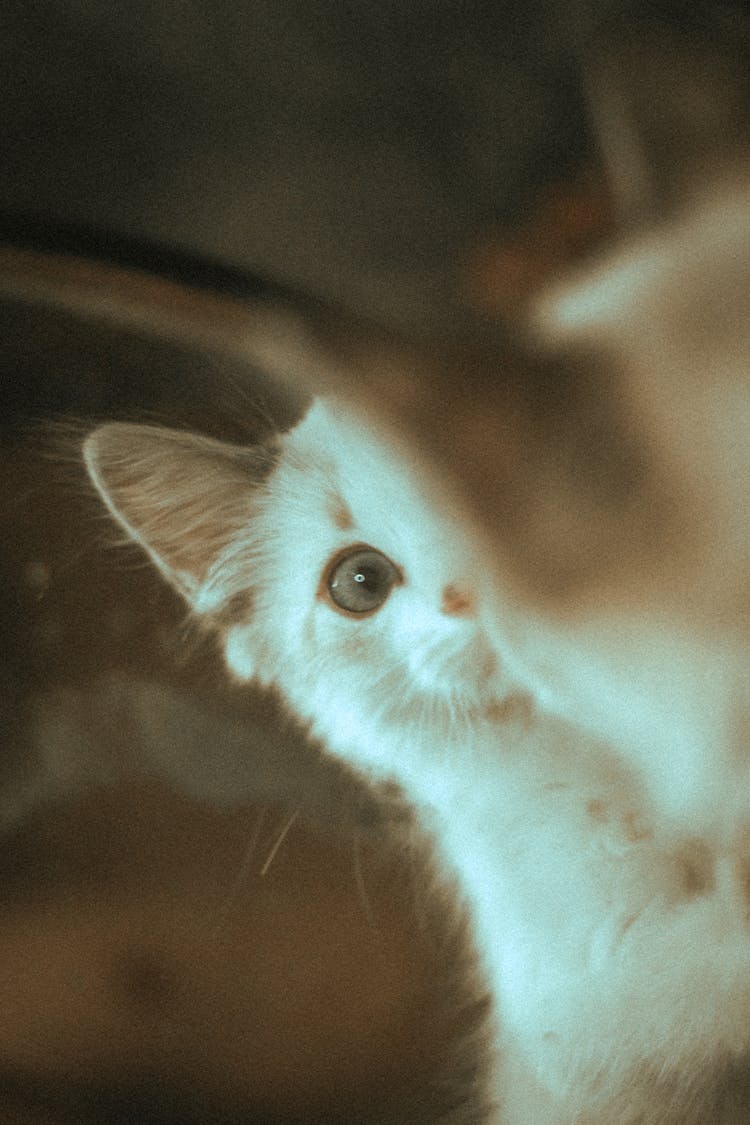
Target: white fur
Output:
[{"x": 616, "y": 946}]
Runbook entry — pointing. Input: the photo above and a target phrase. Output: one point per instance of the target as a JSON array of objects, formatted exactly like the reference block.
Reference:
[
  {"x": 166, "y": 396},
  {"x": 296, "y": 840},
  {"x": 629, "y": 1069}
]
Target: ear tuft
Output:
[{"x": 181, "y": 496}]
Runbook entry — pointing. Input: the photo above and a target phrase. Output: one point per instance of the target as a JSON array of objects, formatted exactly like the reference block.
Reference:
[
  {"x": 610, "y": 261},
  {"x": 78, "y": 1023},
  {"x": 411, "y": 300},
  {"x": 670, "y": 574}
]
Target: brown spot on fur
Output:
[
  {"x": 635, "y": 829},
  {"x": 517, "y": 707},
  {"x": 695, "y": 866},
  {"x": 597, "y": 810},
  {"x": 339, "y": 512}
]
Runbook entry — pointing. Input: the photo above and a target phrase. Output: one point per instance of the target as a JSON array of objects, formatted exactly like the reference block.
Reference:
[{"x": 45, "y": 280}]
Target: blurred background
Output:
[{"x": 357, "y": 151}]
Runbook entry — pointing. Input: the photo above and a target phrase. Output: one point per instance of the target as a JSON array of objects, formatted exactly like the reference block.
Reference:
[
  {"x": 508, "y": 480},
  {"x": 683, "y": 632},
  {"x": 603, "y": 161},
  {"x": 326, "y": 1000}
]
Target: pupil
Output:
[{"x": 359, "y": 577}]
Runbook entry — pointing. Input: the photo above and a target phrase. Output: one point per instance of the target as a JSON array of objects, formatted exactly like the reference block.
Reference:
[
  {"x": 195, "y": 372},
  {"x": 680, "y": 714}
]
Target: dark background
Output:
[{"x": 357, "y": 150}]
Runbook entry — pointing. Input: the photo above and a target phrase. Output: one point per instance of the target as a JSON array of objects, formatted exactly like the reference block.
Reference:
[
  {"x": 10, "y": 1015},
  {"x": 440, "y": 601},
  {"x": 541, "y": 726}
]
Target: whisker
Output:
[
  {"x": 361, "y": 886},
  {"x": 240, "y": 879},
  {"x": 281, "y": 837}
]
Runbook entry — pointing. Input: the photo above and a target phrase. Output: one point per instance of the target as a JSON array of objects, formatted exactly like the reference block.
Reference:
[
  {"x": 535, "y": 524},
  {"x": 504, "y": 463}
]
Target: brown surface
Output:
[{"x": 139, "y": 938}]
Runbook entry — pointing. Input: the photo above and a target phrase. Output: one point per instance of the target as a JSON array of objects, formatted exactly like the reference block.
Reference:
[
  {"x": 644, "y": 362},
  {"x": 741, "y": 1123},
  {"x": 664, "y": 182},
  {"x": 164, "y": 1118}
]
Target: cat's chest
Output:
[{"x": 531, "y": 811}]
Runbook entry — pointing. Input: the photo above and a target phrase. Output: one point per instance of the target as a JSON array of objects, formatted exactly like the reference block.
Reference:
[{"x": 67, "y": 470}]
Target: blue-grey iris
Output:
[{"x": 360, "y": 582}]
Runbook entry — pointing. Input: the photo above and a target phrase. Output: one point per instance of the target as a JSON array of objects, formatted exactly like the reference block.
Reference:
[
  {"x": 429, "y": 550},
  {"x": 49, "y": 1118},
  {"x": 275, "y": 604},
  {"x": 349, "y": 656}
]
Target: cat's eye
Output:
[{"x": 360, "y": 580}]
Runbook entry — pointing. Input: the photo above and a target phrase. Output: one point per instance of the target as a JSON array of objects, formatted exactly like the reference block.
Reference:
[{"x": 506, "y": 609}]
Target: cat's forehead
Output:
[
  {"x": 335, "y": 440},
  {"x": 353, "y": 472},
  {"x": 363, "y": 489}
]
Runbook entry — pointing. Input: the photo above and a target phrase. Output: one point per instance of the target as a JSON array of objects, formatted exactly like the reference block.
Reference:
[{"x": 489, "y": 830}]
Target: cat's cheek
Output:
[{"x": 241, "y": 654}]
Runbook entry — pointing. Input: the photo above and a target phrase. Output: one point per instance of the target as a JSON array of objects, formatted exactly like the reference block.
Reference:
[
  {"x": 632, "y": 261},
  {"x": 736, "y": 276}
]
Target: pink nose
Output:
[{"x": 458, "y": 601}]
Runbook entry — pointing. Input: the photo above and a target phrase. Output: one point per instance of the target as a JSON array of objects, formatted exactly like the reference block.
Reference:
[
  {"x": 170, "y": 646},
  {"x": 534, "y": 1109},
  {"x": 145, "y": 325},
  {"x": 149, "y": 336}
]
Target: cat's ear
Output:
[{"x": 181, "y": 496}]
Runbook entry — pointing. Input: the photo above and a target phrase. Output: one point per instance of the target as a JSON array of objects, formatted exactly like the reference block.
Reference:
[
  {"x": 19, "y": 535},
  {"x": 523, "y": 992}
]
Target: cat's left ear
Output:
[{"x": 181, "y": 496}]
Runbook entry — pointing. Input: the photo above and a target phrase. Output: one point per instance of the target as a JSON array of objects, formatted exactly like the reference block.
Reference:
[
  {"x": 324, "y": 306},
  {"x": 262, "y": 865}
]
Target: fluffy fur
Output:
[{"x": 616, "y": 945}]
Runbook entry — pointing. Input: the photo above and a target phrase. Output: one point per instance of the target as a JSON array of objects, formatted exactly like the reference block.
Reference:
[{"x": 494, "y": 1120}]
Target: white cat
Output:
[{"x": 616, "y": 947}]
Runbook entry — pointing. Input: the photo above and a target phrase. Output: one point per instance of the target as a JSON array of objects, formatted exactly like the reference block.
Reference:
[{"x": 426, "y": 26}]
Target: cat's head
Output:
[{"x": 321, "y": 559}]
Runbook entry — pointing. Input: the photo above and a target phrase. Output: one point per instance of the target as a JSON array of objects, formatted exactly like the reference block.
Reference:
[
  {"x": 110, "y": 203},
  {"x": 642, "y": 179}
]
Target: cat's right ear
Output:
[{"x": 181, "y": 496}]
